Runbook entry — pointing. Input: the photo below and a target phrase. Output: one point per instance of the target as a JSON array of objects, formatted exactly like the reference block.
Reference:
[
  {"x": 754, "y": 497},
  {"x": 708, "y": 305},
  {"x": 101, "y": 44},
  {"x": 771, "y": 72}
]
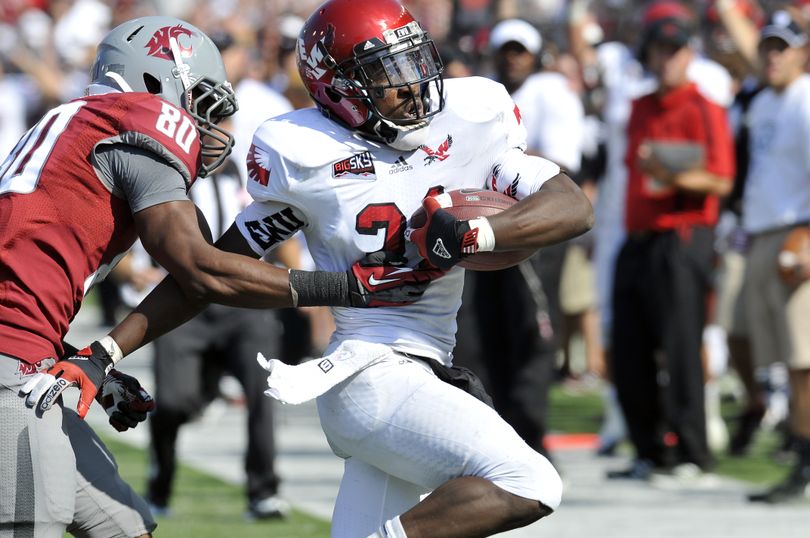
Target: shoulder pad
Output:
[
  {"x": 306, "y": 139},
  {"x": 476, "y": 99},
  {"x": 149, "y": 122}
]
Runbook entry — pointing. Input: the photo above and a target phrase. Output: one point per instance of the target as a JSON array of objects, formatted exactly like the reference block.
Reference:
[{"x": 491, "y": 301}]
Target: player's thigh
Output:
[
  {"x": 399, "y": 417},
  {"x": 37, "y": 466},
  {"x": 106, "y": 506},
  {"x": 368, "y": 497}
]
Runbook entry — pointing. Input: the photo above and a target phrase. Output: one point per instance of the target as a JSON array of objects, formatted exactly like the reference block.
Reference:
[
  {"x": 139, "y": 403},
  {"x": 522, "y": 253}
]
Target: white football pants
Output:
[{"x": 404, "y": 432}]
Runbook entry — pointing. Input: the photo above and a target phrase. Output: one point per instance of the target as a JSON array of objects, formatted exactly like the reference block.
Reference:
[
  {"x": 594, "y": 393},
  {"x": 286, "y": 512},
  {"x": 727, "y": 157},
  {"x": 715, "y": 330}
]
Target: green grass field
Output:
[
  {"x": 204, "y": 506},
  {"x": 572, "y": 412}
]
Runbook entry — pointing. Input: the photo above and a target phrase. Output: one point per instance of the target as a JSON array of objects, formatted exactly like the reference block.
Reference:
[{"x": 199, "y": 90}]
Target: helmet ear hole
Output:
[
  {"x": 333, "y": 95},
  {"x": 152, "y": 84}
]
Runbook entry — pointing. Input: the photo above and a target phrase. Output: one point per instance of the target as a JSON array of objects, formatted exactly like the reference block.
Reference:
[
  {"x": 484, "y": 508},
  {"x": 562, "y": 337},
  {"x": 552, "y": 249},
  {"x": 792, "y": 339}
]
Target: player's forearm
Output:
[
  {"x": 164, "y": 309},
  {"x": 233, "y": 280},
  {"x": 555, "y": 213},
  {"x": 236, "y": 280}
]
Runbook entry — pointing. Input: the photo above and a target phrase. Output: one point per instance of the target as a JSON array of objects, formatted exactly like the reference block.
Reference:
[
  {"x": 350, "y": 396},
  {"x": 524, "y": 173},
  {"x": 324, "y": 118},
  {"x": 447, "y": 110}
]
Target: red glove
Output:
[
  {"x": 443, "y": 239},
  {"x": 85, "y": 369},
  {"x": 382, "y": 279},
  {"x": 125, "y": 400}
]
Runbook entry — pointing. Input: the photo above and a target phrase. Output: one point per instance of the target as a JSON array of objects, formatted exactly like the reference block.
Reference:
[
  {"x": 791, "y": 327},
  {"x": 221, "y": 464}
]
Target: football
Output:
[
  {"x": 796, "y": 242},
  {"x": 466, "y": 204}
]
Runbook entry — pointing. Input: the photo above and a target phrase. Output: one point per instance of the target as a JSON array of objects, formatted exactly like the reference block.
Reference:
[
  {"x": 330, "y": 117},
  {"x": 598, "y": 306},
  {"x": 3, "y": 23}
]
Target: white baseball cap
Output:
[
  {"x": 782, "y": 26},
  {"x": 516, "y": 30}
]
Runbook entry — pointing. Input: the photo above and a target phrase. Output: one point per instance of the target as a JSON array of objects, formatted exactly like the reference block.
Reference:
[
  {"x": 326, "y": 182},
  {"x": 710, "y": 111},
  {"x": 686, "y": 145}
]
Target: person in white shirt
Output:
[
  {"x": 775, "y": 202},
  {"x": 389, "y": 132}
]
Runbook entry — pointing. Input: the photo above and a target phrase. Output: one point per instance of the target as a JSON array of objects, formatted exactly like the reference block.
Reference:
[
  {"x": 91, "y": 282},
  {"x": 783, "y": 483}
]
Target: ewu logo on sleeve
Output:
[
  {"x": 359, "y": 166},
  {"x": 274, "y": 229}
]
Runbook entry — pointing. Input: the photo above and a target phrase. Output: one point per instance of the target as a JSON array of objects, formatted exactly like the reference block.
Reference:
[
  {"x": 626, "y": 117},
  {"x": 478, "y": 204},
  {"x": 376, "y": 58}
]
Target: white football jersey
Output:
[{"x": 352, "y": 196}]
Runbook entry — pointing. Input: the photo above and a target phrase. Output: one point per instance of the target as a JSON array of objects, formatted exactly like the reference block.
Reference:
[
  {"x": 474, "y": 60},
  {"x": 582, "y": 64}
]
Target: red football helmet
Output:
[{"x": 352, "y": 50}]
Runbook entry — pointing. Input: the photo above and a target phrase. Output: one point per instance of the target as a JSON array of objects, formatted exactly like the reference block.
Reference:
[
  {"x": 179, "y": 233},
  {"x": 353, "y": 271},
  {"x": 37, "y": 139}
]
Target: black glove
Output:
[
  {"x": 86, "y": 369},
  {"x": 443, "y": 239},
  {"x": 124, "y": 400},
  {"x": 382, "y": 279}
]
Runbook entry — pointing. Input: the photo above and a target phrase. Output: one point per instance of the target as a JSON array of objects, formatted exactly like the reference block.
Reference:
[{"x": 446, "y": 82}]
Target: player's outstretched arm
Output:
[
  {"x": 229, "y": 273},
  {"x": 175, "y": 234}
]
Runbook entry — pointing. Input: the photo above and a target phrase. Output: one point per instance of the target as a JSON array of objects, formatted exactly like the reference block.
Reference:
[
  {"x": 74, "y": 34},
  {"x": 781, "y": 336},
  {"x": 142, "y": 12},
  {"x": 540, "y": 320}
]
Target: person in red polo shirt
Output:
[{"x": 680, "y": 160}]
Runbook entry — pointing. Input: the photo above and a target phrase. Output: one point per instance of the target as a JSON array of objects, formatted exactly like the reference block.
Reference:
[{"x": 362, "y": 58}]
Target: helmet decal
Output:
[
  {"x": 159, "y": 45},
  {"x": 348, "y": 64},
  {"x": 315, "y": 56}
]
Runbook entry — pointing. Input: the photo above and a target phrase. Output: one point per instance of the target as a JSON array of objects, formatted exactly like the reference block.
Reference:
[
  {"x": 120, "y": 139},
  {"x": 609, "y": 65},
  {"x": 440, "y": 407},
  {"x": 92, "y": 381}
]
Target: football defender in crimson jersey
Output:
[{"x": 79, "y": 187}]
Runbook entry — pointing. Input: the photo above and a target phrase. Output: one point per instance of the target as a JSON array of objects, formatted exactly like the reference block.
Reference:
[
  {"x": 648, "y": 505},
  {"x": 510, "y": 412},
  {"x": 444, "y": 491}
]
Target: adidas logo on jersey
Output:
[{"x": 400, "y": 165}]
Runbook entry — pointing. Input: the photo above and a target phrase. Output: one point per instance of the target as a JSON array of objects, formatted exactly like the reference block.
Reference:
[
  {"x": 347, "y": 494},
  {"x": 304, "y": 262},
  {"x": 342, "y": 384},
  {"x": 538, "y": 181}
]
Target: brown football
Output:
[
  {"x": 796, "y": 242},
  {"x": 473, "y": 203}
]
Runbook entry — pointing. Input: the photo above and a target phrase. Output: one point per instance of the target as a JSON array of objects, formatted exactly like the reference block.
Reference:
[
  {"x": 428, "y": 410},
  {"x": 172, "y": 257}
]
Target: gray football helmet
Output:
[{"x": 171, "y": 58}]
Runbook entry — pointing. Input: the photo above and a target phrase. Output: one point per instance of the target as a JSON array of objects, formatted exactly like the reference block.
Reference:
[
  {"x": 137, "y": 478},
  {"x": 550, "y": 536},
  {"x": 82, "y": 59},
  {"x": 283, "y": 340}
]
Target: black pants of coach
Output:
[
  {"x": 659, "y": 302},
  {"x": 188, "y": 364}
]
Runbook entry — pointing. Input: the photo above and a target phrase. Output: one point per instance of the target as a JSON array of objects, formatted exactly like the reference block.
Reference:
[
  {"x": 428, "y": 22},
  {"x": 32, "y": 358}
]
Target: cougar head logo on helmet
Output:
[
  {"x": 352, "y": 52},
  {"x": 160, "y": 44},
  {"x": 171, "y": 58}
]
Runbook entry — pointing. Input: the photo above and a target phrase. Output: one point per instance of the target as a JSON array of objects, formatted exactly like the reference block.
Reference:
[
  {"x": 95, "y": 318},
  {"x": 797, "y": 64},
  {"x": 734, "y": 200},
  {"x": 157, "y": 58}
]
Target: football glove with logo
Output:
[
  {"x": 86, "y": 369},
  {"x": 443, "y": 239},
  {"x": 125, "y": 400},
  {"x": 382, "y": 279},
  {"x": 378, "y": 279}
]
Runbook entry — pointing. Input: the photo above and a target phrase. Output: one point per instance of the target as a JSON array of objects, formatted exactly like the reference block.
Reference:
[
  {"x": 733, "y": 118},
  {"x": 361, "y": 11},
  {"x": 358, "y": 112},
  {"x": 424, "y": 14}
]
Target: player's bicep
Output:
[
  {"x": 265, "y": 225},
  {"x": 174, "y": 234},
  {"x": 518, "y": 175}
]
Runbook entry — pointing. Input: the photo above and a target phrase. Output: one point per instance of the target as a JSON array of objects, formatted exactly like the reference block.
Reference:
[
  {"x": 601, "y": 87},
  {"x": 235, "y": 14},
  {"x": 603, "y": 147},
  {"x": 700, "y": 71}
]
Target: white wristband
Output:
[
  {"x": 486, "y": 237},
  {"x": 112, "y": 348}
]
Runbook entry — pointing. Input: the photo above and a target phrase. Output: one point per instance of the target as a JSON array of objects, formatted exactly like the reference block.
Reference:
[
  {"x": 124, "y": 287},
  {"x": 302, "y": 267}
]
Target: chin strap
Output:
[
  {"x": 183, "y": 69},
  {"x": 402, "y": 137},
  {"x": 118, "y": 79}
]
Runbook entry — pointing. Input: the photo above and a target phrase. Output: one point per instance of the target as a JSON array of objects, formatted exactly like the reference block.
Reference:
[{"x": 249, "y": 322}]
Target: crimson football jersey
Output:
[{"x": 61, "y": 229}]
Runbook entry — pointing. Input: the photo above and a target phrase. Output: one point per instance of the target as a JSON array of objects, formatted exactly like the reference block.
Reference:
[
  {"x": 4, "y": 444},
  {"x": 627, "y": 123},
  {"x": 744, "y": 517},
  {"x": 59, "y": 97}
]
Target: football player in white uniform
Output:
[
  {"x": 388, "y": 137},
  {"x": 389, "y": 133}
]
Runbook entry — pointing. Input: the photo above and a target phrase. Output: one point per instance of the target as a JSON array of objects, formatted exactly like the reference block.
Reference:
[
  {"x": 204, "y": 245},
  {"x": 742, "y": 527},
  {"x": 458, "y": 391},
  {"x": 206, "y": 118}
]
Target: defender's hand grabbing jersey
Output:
[
  {"x": 64, "y": 220},
  {"x": 352, "y": 196}
]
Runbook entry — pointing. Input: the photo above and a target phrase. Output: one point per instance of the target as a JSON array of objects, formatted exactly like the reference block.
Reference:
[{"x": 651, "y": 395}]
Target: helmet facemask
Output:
[
  {"x": 415, "y": 70},
  {"x": 404, "y": 72},
  {"x": 208, "y": 102}
]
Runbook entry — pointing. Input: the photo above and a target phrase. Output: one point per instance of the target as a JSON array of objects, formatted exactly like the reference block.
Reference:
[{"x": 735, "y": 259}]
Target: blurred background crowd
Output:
[{"x": 676, "y": 209}]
